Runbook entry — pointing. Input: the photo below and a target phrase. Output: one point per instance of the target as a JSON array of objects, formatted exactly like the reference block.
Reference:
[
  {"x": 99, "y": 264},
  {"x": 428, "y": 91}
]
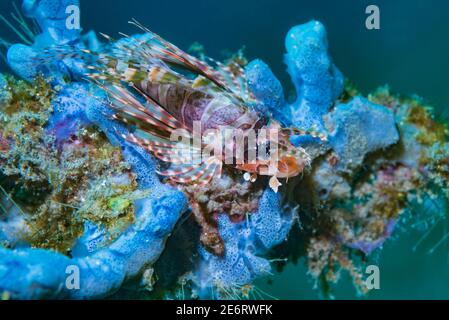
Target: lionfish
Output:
[{"x": 157, "y": 88}]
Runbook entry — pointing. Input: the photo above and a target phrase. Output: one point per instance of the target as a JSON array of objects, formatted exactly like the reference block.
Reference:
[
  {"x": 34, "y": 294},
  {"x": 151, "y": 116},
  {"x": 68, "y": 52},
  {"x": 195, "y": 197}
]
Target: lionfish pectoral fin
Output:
[
  {"x": 193, "y": 174},
  {"x": 169, "y": 53},
  {"x": 233, "y": 77},
  {"x": 228, "y": 78},
  {"x": 128, "y": 107}
]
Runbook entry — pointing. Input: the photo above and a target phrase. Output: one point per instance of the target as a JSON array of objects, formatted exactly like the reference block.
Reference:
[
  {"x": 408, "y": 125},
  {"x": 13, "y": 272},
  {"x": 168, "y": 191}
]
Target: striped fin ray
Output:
[
  {"x": 221, "y": 76},
  {"x": 191, "y": 174},
  {"x": 155, "y": 60},
  {"x": 129, "y": 109},
  {"x": 170, "y": 53},
  {"x": 130, "y": 63},
  {"x": 164, "y": 150},
  {"x": 124, "y": 68},
  {"x": 234, "y": 76},
  {"x": 153, "y": 131},
  {"x": 153, "y": 134}
]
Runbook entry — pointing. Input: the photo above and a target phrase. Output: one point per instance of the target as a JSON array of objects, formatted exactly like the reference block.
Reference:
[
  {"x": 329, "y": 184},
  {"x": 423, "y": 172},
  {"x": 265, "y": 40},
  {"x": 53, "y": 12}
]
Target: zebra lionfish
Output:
[{"x": 157, "y": 88}]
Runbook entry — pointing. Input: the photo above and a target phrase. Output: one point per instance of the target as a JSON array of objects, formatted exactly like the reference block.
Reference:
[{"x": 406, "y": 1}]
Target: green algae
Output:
[{"x": 59, "y": 189}]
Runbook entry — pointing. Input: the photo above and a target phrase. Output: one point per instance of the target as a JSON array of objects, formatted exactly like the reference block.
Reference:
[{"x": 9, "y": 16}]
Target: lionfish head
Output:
[{"x": 292, "y": 162}]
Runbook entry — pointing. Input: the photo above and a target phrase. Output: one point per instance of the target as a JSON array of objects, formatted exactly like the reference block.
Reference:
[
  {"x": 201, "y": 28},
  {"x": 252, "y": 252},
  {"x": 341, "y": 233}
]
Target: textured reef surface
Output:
[{"x": 75, "y": 194}]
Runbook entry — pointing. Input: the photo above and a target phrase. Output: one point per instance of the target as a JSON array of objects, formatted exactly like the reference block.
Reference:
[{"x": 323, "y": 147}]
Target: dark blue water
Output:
[{"x": 410, "y": 53}]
